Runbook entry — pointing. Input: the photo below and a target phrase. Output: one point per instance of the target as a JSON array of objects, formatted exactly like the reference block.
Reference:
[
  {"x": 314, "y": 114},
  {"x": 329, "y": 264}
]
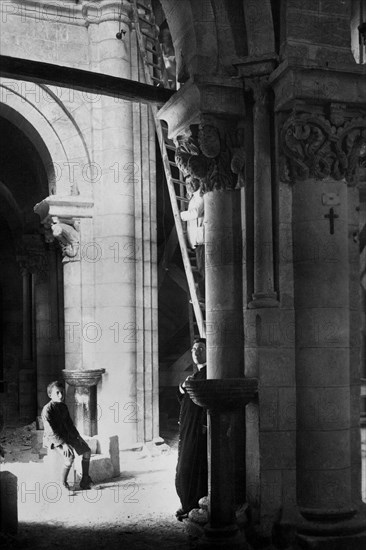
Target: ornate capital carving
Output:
[
  {"x": 213, "y": 159},
  {"x": 314, "y": 146}
]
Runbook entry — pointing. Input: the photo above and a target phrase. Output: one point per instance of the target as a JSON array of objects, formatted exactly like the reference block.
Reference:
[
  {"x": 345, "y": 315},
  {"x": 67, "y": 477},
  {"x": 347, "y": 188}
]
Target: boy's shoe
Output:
[{"x": 86, "y": 483}]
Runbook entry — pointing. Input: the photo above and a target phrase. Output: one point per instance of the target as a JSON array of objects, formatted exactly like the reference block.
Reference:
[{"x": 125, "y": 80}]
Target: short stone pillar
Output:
[
  {"x": 8, "y": 503},
  {"x": 222, "y": 398},
  {"x": 85, "y": 383}
]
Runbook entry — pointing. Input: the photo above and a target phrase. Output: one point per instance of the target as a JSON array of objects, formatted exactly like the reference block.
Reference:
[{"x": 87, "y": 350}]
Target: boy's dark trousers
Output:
[{"x": 68, "y": 462}]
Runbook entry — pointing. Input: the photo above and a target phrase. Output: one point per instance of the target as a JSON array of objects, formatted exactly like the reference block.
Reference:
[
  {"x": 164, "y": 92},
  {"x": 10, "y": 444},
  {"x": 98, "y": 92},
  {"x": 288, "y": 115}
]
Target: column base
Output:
[
  {"x": 264, "y": 299},
  {"x": 297, "y": 533},
  {"x": 341, "y": 542},
  {"x": 225, "y": 538}
]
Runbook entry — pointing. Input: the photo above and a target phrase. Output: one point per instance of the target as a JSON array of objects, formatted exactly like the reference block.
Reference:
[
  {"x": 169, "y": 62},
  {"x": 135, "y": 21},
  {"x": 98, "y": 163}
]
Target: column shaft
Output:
[
  {"x": 224, "y": 325},
  {"x": 264, "y": 294},
  {"x": 321, "y": 272}
]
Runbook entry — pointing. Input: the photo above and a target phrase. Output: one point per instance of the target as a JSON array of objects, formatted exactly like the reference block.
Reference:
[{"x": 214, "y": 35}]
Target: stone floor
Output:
[{"x": 134, "y": 511}]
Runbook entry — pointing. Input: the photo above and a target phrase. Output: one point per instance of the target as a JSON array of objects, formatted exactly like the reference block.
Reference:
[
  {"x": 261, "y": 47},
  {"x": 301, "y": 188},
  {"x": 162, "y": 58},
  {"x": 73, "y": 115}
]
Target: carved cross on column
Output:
[{"x": 331, "y": 216}]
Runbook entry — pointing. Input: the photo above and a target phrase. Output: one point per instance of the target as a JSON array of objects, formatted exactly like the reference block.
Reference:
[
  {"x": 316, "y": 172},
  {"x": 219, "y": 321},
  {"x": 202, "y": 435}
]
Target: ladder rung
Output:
[
  {"x": 179, "y": 182},
  {"x": 150, "y": 50},
  {"x": 154, "y": 65},
  {"x": 146, "y": 21},
  {"x": 139, "y": 5},
  {"x": 156, "y": 79},
  {"x": 183, "y": 199},
  {"x": 149, "y": 36},
  {"x": 170, "y": 147}
]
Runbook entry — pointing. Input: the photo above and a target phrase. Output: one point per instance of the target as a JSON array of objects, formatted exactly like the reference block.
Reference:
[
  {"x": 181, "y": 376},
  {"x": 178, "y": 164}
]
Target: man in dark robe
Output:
[{"x": 191, "y": 473}]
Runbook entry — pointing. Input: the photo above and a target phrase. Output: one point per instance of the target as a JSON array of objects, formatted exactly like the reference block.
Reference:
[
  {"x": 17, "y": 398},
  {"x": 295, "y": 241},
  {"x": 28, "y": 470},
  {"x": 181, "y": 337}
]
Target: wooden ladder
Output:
[{"x": 147, "y": 33}]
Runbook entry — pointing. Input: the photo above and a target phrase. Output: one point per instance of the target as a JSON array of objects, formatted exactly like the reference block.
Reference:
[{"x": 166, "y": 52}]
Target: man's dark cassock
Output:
[{"x": 191, "y": 474}]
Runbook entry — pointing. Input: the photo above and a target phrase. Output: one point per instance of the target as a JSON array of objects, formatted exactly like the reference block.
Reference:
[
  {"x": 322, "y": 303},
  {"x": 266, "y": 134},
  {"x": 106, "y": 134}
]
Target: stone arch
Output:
[
  {"x": 192, "y": 27},
  {"x": 207, "y": 37},
  {"x": 42, "y": 117}
]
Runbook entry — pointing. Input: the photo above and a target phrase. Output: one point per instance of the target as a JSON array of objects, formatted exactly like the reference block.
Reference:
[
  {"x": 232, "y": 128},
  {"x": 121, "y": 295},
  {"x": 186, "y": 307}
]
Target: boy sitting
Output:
[{"x": 61, "y": 436}]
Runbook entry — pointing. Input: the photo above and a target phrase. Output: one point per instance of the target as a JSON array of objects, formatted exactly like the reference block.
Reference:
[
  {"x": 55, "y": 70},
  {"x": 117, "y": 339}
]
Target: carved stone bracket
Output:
[
  {"x": 211, "y": 158},
  {"x": 60, "y": 217},
  {"x": 316, "y": 146},
  {"x": 67, "y": 234}
]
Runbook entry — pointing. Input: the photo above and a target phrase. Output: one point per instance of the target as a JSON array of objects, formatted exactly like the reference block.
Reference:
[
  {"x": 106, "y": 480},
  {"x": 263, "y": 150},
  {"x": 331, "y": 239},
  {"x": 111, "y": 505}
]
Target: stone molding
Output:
[
  {"x": 66, "y": 11},
  {"x": 211, "y": 157},
  {"x": 319, "y": 146}
]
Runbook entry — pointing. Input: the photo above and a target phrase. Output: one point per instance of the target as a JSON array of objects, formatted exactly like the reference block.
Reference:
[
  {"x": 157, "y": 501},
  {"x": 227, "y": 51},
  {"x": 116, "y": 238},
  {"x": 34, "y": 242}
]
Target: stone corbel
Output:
[
  {"x": 60, "y": 217},
  {"x": 67, "y": 234}
]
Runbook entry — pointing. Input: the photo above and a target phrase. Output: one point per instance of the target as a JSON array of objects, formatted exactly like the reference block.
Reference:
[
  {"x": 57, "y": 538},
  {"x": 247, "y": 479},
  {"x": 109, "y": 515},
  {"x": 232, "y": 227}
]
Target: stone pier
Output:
[{"x": 325, "y": 213}]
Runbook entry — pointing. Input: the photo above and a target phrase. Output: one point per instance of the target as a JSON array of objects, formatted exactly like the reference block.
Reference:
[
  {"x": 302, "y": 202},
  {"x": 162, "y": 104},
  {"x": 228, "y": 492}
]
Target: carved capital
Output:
[
  {"x": 314, "y": 146},
  {"x": 211, "y": 158}
]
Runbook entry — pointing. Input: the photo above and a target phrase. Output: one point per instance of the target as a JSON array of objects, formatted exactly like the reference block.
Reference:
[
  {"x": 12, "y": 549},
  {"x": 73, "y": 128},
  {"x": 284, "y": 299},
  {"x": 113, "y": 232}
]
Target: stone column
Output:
[
  {"x": 224, "y": 333},
  {"x": 27, "y": 374},
  {"x": 362, "y": 243},
  {"x": 27, "y": 317},
  {"x": 211, "y": 150},
  {"x": 326, "y": 322},
  {"x": 34, "y": 267},
  {"x": 224, "y": 324},
  {"x": 68, "y": 223},
  {"x": 125, "y": 230},
  {"x": 264, "y": 293},
  {"x": 224, "y": 399}
]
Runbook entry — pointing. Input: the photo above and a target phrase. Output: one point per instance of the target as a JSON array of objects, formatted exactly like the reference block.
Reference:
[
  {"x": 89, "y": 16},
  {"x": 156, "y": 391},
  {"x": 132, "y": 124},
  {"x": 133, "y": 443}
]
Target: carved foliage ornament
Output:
[
  {"x": 209, "y": 160},
  {"x": 314, "y": 148}
]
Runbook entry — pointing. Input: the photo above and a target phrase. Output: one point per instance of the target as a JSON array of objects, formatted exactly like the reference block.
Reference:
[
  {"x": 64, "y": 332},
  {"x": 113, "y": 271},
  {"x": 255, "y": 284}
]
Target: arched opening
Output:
[{"x": 30, "y": 281}]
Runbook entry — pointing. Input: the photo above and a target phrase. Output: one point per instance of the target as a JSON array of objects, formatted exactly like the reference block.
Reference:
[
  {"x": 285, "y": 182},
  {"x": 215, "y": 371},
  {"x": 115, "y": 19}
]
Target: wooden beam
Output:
[{"x": 77, "y": 79}]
